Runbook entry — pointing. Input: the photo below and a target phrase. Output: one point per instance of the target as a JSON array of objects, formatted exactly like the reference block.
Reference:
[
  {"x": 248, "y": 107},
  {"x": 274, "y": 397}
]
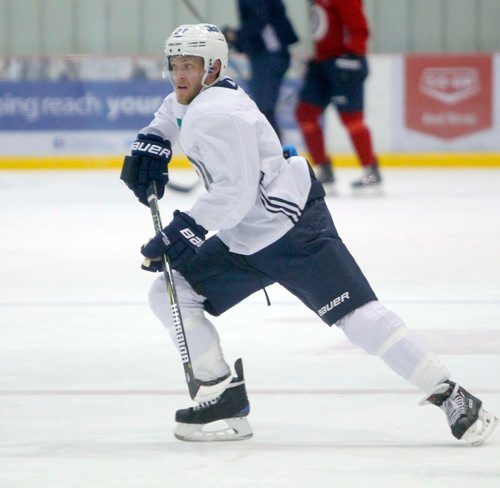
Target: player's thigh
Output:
[
  {"x": 316, "y": 87},
  {"x": 346, "y": 86},
  {"x": 221, "y": 277},
  {"x": 321, "y": 271},
  {"x": 268, "y": 70}
]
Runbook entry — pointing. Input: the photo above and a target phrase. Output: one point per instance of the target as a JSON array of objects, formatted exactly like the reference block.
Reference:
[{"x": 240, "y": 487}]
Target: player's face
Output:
[{"x": 186, "y": 74}]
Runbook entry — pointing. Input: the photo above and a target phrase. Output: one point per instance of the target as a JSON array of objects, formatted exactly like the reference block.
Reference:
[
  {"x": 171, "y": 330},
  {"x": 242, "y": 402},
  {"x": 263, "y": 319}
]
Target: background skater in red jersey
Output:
[{"x": 336, "y": 75}]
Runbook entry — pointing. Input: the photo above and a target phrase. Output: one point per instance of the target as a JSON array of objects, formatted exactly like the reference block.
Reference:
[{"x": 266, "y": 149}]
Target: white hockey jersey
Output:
[{"x": 254, "y": 196}]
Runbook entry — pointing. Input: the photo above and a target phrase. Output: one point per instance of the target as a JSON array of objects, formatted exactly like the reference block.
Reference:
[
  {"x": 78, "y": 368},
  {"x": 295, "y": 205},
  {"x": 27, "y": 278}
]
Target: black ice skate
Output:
[
  {"x": 324, "y": 173},
  {"x": 201, "y": 422},
  {"x": 370, "y": 182},
  {"x": 466, "y": 416}
]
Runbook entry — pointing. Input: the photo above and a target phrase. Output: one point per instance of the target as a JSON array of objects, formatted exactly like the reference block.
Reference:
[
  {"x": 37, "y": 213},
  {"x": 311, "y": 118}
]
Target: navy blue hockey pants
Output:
[{"x": 310, "y": 261}]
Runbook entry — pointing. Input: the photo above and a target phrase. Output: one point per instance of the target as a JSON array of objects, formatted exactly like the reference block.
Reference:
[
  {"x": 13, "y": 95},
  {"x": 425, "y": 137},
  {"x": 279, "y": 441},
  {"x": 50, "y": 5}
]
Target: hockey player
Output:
[
  {"x": 272, "y": 225},
  {"x": 336, "y": 75}
]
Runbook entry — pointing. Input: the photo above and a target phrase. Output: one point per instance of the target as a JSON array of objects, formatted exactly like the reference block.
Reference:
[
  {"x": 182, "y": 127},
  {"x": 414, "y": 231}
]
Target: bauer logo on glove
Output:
[
  {"x": 148, "y": 163},
  {"x": 147, "y": 147},
  {"x": 179, "y": 240},
  {"x": 191, "y": 237}
]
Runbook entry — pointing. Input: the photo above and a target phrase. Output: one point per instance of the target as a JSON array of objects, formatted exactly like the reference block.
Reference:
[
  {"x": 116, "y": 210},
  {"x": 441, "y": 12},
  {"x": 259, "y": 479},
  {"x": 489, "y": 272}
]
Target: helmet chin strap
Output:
[
  {"x": 203, "y": 84},
  {"x": 208, "y": 72}
]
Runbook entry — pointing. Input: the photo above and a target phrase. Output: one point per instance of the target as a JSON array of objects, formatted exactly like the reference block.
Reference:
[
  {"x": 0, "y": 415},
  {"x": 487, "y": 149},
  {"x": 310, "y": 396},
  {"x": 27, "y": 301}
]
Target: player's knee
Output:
[
  {"x": 307, "y": 113},
  {"x": 353, "y": 121},
  {"x": 373, "y": 328},
  {"x": 381, "y": 332},
  {"x": 188, "y": 300},
  {"x": 204, "y": 343}
]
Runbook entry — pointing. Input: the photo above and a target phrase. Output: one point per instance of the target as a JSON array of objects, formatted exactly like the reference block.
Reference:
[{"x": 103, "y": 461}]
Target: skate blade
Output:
[
  {"x": 236, "y": 429},
  {"x": 481, "y": 429}
]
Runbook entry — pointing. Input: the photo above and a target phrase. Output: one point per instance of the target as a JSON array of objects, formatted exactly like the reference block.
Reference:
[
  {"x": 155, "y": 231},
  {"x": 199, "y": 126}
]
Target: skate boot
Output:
[
  {"x": 220, "y": 419},
  {"x": 324, "y": 174},
  {"x": 369, "y": 183},
  {"x": 466, "y": 416}
]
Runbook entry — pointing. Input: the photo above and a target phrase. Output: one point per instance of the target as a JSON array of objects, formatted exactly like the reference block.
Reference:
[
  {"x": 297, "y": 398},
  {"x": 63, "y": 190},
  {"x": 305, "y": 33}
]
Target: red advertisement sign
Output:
[{"x": 448, "y": 96}]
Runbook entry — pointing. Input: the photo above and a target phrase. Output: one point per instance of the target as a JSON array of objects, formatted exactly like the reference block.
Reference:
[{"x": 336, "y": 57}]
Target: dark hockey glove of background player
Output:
[
  {"x": 149, "y": 162},
  {"x": 179, "y": 240},
  {"x": 349, "y": 66}
]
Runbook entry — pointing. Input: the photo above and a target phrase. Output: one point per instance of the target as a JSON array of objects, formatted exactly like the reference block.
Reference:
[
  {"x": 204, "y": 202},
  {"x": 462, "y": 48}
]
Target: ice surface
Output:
[{"x": 89, "y": 381}]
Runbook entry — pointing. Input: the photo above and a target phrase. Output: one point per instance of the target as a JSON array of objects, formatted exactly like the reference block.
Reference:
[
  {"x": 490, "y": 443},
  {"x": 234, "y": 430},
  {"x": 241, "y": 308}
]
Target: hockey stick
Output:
[
  {"x": 183, "y": 188},
  {"x": 198, "y": 390},
  {"x": 193, "y": 386},
  {"x": 194, "y": 11}
]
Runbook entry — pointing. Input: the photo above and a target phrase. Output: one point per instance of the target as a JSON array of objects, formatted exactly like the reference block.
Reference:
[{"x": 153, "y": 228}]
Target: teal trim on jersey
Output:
[{"x": 179, "y": 123}]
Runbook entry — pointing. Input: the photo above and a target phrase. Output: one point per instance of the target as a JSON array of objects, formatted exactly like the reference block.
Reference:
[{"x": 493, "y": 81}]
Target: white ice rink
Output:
[{"x": 90, "y": 382}]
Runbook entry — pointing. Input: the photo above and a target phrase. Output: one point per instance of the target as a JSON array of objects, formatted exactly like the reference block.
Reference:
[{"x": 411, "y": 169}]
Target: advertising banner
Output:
[
  {"x": 79, "y": 105},
  {"x": 414, "y": 105},
  {"x": 448, "y": 96}
]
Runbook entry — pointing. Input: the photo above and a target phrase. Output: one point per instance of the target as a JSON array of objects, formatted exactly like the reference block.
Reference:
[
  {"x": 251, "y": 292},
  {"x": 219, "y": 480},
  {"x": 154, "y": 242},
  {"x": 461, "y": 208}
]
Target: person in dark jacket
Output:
[{"x": 264, "y": 35}]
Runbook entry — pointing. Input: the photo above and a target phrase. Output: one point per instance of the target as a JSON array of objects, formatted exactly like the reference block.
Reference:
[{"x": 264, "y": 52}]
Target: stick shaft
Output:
[
  {"x": 180, "y": 334},
  {"x": 193, "y": 10}
]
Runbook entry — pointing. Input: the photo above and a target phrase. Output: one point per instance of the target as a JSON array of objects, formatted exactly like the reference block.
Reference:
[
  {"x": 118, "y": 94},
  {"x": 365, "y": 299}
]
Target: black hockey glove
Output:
[
  {"x": 350, "y": 60},
  {"x": 349, "y": 67},
  {"x": 179, "y": 240},
  {"x": 149, "y": 162}
]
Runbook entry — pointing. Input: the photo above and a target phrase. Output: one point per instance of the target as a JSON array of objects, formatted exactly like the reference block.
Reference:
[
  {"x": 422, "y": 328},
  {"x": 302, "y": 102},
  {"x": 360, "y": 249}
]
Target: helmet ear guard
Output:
[{"x": 203, "y": 40}]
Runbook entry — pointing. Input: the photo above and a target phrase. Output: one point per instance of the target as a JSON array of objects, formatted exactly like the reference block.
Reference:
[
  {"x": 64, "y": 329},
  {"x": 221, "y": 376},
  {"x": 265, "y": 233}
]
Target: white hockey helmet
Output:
[{"x": 203, "y": 40}]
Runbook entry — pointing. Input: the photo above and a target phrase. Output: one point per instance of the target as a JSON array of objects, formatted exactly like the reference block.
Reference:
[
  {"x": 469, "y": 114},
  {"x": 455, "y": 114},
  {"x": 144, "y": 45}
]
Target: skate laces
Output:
[
  {"x": 210, "y": 403},
  {"x": 454, "y": 406},
  {"x": 438, "y": 395},
  {"x": 371, "y": 176},
  {"x": 207, "y": 404}
]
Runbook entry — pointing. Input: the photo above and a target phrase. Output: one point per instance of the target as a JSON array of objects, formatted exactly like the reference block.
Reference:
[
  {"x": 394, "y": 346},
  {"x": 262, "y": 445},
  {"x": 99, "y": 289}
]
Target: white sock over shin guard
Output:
[
  {"x": 201, "y": 336},
  {"x": 381, "y": 332}
]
